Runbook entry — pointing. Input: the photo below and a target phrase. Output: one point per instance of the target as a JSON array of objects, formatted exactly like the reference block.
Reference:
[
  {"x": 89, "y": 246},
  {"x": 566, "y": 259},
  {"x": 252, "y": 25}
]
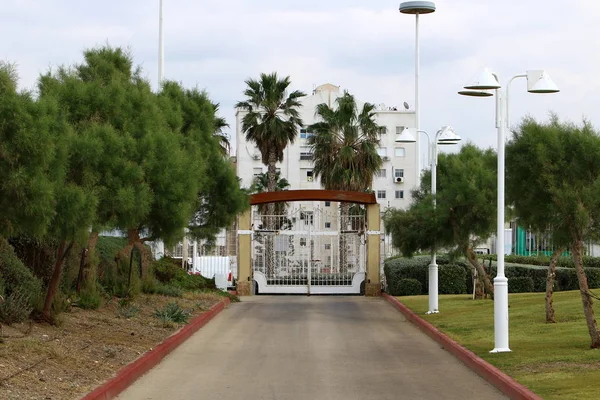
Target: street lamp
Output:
[
  {"x": 417, "y": 8},
  {"x": 444, "y": 136},
  {"x": 537, "y": 82}
]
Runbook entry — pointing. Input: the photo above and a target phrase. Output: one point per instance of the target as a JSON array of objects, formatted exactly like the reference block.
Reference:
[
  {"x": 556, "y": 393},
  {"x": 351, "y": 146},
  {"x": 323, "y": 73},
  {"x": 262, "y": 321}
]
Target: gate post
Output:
[
  {"x": 373, "y": 283},
  {"x": 244, "y": 254}
]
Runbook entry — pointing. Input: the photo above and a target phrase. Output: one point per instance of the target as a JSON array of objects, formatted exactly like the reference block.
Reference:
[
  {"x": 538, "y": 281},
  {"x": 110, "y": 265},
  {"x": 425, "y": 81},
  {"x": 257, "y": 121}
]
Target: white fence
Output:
[{"x": 219, "y": 268}]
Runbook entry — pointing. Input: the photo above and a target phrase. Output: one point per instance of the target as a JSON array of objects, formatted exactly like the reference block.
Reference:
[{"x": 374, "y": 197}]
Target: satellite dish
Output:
[{"x": 406, "y": 105}]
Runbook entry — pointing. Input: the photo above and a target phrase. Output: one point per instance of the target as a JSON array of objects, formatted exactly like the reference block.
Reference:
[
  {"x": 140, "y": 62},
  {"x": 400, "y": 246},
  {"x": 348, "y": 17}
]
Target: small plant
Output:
[
  {"x": 172, "y": 313},
  {"x": 89, "y": 299},
  {"x": 15, "y": 308},
  {"x": 126, "y": 309}
]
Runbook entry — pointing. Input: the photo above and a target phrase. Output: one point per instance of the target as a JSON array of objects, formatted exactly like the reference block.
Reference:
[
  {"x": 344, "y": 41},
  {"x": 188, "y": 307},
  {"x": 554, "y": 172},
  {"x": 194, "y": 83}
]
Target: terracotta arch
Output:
[{"x": 313, "y": 195}]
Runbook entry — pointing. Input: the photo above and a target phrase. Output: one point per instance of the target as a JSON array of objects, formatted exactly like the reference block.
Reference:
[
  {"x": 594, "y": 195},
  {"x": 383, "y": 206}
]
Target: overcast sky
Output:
[{"x": 366, "y": 47}]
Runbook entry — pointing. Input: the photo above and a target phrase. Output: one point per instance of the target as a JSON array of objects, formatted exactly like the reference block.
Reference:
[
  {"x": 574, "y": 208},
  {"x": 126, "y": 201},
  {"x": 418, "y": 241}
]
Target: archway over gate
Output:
[{"x": 246, "y": 231}]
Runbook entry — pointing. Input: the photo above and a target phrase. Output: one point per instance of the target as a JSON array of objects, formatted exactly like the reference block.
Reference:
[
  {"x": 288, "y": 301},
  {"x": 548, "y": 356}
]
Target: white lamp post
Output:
[
  {"x": 161, "y": 48},
  {"x": 537, "y": 82},
  {"x": 445, "y": 136},
  {"x": 417, "y": 8}
]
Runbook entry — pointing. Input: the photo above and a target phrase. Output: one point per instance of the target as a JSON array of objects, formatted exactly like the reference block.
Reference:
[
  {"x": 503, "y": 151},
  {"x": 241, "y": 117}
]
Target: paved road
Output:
[{"x": 305, "y": 348}]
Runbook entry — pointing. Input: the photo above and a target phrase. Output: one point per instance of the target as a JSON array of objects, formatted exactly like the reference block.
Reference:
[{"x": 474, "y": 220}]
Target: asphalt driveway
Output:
[{"x": 319, "y": 347}]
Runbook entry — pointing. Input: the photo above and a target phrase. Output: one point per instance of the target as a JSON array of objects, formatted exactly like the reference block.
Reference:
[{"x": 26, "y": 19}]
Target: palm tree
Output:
[
  {"x": 260, "y": 184},
  {"x": 271, "y": 122},
  {"x": 219, "y": 125},
  {"x": 344, "y": 147}
]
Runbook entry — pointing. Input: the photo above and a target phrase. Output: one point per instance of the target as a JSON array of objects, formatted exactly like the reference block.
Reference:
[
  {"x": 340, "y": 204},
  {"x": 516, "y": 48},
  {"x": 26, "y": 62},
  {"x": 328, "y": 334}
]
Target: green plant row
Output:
[
  {"x": 563, "y": 261},
  {"x": 456, "y": 277}
]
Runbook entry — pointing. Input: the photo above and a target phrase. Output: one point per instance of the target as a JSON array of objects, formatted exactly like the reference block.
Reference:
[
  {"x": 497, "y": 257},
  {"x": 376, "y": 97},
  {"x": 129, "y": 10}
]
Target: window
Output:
[
  {"x": 305, "y": 133},
  {"x": 307, "y": 217},
  {"x": 381, "y": 194},
  {"x": 309, "y": 175},
  {"x": 399, "y": 194},
  {"x": 305, "y": 153},
  {"x": 327, "y": 204},
  {"x": 327, "y": 224},
  {"x": 382, "y": 130},
  {"x": 398, "y": 173},
  {"x": 382, "y": 151},
  {"x": 399, "y": 152},
  {"x": 399, "y": 130},
  {"x": 302, "y": 241},
  {"x": 257, "y": 171},
  {"x": 327, "y": 246},
  {"x": 381, "y": 173}
]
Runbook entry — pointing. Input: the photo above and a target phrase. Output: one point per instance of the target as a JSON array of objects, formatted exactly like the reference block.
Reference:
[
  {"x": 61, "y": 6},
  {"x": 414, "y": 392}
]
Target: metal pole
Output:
[
  {"x": 417, "y": 107},
  {"x": 161, "y": 49},
  {"x": 433, "y": 267},
  {"x": 500, "y": 281},
  {"x": 310, "y": 250}
]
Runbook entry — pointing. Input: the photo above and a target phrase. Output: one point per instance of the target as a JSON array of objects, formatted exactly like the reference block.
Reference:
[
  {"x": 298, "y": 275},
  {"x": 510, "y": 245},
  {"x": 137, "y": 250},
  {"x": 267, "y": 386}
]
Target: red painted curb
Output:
[
  {"x": 493, "y": 375},
  {"x": 132, "y": 371}
]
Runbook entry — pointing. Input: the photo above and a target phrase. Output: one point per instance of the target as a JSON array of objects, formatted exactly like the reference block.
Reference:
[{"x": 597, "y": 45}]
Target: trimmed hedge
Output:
[
  {"x": 409, "y": 287},
  {"x": 456, "y": 277},
  {"x": 452, "y": 278},
  {"x": 520, "y": 284},
  {"x": 563, "y": 261}
]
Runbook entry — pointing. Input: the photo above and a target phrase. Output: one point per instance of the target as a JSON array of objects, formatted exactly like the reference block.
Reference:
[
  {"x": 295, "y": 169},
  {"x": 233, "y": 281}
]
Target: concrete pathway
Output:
[{"x": 310, "y": 348}]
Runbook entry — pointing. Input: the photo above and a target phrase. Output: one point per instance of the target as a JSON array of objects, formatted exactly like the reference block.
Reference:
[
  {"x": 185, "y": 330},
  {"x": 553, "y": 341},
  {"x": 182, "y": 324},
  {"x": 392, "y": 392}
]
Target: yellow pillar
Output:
[
  {"x": 244, "y": 255},
  {"x": 373, "y": 283}
]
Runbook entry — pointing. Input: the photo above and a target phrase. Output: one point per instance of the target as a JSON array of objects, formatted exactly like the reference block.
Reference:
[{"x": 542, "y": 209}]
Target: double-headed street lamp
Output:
[
  {"x": 417, "y": 8},
  {"x": 445, "y": 136},
  {"x": 537, "y": 82}
]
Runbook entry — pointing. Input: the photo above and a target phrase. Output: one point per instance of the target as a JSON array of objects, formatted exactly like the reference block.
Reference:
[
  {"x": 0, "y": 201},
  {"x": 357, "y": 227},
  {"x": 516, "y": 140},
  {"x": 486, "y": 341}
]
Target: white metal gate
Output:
[{"x": 299, "y": 252}]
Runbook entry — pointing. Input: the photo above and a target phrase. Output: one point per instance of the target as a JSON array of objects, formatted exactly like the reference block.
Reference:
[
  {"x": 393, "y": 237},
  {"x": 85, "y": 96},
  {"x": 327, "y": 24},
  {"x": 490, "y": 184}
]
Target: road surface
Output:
[{"x": 305, "y": 348}]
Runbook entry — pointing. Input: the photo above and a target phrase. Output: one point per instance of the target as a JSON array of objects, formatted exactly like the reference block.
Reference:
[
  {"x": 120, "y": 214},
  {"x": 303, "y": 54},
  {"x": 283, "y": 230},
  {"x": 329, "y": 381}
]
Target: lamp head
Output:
[
  {"x": 484, "y": 80},
  {"x": 447, "y": 135},
  {"x": 538, "y": 81},
  {"x": 405, "y": 136},
  {"x": 476, "y": 93},
  {"x": 417, "y": 7}
]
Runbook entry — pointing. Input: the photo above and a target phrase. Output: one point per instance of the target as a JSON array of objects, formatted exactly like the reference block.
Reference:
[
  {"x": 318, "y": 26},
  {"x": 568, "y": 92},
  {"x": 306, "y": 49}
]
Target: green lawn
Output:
[{"x": 553, "y": 360}]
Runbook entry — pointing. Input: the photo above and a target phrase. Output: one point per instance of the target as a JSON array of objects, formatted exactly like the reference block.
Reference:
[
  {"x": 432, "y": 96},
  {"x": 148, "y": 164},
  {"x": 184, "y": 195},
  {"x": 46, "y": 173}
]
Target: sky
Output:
[{"x": 365, "y": 47}]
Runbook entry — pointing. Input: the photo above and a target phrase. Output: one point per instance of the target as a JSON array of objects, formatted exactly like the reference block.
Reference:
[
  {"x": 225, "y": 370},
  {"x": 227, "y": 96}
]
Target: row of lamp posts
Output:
[{"x": 482, "y": 85}]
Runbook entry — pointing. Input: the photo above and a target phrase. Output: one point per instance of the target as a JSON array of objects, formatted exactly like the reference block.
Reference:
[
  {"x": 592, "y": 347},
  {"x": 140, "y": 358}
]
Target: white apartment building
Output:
[{"x": 392, "y": 184}]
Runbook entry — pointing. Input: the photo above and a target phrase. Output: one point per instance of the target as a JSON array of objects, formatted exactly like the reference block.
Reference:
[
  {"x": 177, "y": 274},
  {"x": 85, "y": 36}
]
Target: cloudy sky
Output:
[{"x": 366, "y": 47}]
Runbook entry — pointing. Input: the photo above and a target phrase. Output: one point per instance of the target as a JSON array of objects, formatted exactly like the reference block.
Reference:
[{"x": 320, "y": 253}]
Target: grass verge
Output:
[{"x": 553, "y": 360}]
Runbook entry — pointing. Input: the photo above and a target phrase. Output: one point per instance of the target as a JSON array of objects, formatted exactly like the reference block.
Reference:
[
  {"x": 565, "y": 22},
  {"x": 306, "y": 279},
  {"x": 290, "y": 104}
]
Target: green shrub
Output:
[
  {"x": 168, "y": 290},
  {"x": 172, "y": 313},
  {"x": 18, "y": 279},
  {"x": 169, "y": 271},
  {"x": 520, "y": 284},
  {"x": 452, "y": 279},
  {"x": 409, "y": 287},
  {"x": 16, "y": 307},
  {"x": 593, "y": 277},
  {"x": 453, "y": 275},
  {"x": 89, "y": 299},
  {"x": 127, "y": 310}
]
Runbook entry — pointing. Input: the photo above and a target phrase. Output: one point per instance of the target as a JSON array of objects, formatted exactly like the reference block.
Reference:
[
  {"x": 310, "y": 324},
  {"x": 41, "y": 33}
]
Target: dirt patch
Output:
[{"x": 38, "y": 361}]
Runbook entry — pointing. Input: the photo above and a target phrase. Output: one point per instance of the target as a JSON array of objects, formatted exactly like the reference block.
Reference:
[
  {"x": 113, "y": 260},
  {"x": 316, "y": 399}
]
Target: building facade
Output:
[{"x": 392, "y": 184}]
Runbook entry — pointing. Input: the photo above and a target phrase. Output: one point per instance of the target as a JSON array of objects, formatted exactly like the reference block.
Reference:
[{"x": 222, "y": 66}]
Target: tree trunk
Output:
[
  {"x": 586, "y": 299},
  {"x": 344, "y": 210},
  {"x": 86, "y": 266},
  {"x": 55, "y": 279},
  {"x": 550, "y": 286},
  {"x": 271, "y": 218},
  {"x": 470, "y": 254},
  {"x": 134, "y": 240}
]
